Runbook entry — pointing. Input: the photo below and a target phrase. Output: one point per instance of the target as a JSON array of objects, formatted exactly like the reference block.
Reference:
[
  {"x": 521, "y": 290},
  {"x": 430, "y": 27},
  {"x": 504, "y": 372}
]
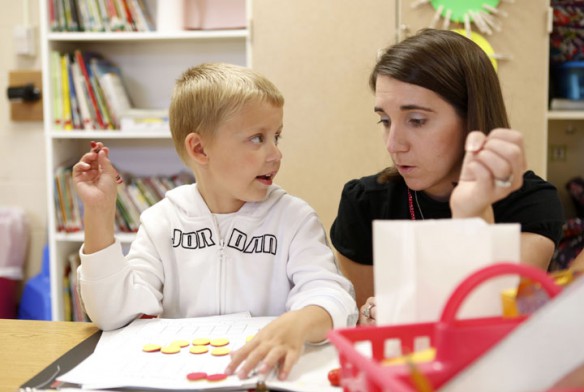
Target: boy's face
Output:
[{"x": 243, "y": 157}]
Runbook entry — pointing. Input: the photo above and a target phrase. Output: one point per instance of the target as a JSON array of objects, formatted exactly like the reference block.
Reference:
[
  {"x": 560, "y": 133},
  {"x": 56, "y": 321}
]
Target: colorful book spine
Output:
[
  {"x": 82, "y": 97},
  {"x": 66, "y": 116},
  {"x": 57, "y": 89},
  {"x": 75, "y": 110},
  {"x": 92, "y": 95}
]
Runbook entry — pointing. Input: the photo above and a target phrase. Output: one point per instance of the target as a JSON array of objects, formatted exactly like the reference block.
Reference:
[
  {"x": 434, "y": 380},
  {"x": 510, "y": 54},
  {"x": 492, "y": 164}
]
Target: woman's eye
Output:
[
  {"x": 417, "y": 122},
  {"x": 384, "y": 122},
  {"x": 278, "y": 138}
]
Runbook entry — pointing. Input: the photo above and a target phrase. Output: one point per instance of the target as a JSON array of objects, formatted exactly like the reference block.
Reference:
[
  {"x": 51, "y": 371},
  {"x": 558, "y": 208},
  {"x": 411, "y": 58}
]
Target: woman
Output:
[{"x": 446, "y": 129}]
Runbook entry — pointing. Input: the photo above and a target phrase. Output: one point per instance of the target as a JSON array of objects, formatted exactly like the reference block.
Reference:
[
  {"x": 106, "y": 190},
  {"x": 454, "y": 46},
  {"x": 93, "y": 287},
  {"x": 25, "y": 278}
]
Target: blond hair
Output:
[{"x": 208, "y": 94}]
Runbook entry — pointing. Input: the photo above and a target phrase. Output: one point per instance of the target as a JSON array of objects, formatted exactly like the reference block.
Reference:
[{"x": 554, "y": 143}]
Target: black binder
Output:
[{"x": 45, "y": 380}]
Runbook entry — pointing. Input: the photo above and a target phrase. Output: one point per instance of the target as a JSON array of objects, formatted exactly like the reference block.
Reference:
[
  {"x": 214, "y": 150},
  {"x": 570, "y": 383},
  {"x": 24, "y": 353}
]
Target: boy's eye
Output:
[
  {"x": 278, "y": 137},
  {"x": 257, "y": 139}
]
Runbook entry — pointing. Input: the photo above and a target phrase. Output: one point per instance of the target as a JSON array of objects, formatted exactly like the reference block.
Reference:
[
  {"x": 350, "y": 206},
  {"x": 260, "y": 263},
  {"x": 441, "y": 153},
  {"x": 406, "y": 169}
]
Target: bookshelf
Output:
[
  {"x": 565, "y": 127},
  {"x": 150, "y": 62}
]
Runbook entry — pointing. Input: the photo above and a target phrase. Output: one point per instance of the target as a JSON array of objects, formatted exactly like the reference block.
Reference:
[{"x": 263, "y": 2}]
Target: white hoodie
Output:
[{"x": 274, "y": 258}]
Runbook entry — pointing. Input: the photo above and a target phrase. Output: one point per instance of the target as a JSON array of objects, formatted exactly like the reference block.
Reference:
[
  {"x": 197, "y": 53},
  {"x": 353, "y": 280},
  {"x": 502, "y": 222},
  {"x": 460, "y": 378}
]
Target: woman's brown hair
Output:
[{"x": 455, "y": 68}]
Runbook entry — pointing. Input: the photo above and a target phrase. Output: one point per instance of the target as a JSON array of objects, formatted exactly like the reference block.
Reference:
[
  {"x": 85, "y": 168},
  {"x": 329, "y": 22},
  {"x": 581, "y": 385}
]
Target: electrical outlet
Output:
[
  {"x": 24, "y": 40},
  {"x": 558, "y": 152}
]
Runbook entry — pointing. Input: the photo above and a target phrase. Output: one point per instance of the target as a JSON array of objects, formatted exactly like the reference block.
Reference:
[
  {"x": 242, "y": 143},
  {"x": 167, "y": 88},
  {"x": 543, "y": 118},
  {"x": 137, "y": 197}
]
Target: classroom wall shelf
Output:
[
  {"x": 149, "y": 36},
  {"x": 149, "y": 63}
]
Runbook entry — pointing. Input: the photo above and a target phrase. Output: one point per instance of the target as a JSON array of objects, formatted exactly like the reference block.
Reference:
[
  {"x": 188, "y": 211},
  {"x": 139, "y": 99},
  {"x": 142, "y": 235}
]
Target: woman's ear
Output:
[{"x": 195, "y": 147}]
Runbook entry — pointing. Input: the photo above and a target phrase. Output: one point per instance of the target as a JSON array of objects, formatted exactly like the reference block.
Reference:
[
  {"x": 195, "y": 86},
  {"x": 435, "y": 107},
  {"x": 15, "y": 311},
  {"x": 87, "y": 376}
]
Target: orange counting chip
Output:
[
  {"x": 198, "y": 349},
  {"x": 150, "y": 348},
  {"x": 196, "y": 376},
  {"x": 201, "y": 342},
  {"x": 180, "y": 343},
  {"x": 170, "y": 349},
  {"x": 219, "y": 342},
  {"x": 216, "y": 377},
  {"x": 219, "y": 351}
]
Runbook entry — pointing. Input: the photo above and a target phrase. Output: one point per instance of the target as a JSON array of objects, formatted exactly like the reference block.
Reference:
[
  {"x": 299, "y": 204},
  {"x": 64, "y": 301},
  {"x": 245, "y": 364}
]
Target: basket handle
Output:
[{"x": 476, "y": 278}]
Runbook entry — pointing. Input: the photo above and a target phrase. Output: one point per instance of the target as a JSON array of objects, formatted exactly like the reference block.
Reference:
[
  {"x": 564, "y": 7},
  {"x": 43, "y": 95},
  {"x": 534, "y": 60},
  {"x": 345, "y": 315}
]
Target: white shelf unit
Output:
[
  {"x": 565, "y": 128},
  {"x": 150, "y": 63},
  {"x": 565, "y": 115}
]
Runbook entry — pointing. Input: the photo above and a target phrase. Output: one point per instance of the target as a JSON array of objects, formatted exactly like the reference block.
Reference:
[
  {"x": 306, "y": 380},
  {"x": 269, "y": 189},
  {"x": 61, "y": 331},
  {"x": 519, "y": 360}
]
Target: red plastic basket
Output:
[{"x": 457, "y": 342}]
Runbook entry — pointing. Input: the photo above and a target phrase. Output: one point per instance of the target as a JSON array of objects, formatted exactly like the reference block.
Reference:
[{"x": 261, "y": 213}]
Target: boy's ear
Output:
[{"x": 195, "y": 147}]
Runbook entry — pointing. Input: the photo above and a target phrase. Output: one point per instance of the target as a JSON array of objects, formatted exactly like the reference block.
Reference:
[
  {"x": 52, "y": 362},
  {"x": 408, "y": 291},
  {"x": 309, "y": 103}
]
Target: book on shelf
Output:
[
  {"x": 57, "y": 88},
  {"x": 73, "y": 305},
  {"x": 66, "y": 95},
  {"x": 137, "y": 120},
  {"x": 89, "y": 94},
  {"x": 67, "y": 205},
  {"x": 76, "y": 120},
  {"x": 102, "y": 104},
  {"x": 85, "y": 109},
  {"x": 133, "y": 196},
  {"x": 79, "y": 58},
  {"x": 110, "y": 82},
  {"x": 99, "y": 15}
]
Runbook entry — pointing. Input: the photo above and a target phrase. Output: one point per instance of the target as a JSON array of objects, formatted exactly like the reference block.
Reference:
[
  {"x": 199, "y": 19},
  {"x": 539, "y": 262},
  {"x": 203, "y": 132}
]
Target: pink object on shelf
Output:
[
  {"x": 14, "y": 235},
  {"x": 214, "y": 14},
  {"x": 9, "y": 294}
]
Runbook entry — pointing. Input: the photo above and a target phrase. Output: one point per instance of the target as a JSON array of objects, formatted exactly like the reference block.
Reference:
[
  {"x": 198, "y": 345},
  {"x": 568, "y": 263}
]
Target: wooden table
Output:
[{"x": 27, "y": 347}]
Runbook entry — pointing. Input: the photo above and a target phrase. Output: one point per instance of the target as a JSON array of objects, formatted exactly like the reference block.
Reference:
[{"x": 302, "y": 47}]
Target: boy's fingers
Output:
[
  {"x": 237, "y": 358},
  {"x": 252, "y": 360},
  {"x": 289, "y": 360}
]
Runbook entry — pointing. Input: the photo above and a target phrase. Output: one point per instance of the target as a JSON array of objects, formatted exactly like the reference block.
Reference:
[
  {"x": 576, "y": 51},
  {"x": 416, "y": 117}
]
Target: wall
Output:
[
  {"x": 22, "y": 151},
  {"x": 320, "y": 54}
]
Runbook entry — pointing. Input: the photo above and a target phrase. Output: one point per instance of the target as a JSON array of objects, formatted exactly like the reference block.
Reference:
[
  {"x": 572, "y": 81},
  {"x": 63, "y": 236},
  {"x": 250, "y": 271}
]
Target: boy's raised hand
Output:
[
  {"x": 278, "y": 345},
  {"x": 95, "y": 181},
  {"x": 95, "y": 178}
]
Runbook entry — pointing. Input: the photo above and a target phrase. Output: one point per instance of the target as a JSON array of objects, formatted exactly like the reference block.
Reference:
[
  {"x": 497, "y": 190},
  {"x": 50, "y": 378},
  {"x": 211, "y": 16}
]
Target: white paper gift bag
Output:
[{"x": 417, "y": 264}]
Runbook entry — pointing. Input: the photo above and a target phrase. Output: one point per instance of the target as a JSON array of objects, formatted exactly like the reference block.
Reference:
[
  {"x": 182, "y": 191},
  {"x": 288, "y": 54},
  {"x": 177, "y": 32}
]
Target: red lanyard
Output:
[{"x": 411, "y": 205}]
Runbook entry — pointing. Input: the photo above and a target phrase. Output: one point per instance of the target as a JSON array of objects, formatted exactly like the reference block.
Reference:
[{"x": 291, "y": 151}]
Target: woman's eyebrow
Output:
[
  {"x": 416, "y": 107},
  {"x": 406, "y": 108}
]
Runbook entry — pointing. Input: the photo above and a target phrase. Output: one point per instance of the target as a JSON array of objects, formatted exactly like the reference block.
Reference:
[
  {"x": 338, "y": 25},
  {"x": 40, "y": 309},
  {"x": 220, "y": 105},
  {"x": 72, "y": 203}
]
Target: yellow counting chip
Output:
[
  {"x": 150, "y": 348},
  {"x": 417, "y": 357},
  {"x": 219, "y": 351},
  {"x": 219, "y": 342},
  {"x": 198, "y": 349},
  {"x": 170, "y": 349},
  {"x": 250, "y": 337},
  {"x": 201, "y": 341},
  {"x": 180, "y": 343}
]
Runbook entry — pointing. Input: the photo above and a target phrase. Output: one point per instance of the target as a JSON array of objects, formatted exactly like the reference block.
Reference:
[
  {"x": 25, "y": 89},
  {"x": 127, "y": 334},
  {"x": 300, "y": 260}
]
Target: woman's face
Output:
[{"x": 423, "y": 134}]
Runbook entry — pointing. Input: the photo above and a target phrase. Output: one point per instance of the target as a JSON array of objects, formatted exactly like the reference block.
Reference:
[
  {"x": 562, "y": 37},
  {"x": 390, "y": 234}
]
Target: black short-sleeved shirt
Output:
[{"x": 536, "y": 206}]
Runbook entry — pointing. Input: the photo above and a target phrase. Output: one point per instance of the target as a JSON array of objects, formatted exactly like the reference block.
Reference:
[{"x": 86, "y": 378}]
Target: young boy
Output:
[{"x": 232, "y": 242}]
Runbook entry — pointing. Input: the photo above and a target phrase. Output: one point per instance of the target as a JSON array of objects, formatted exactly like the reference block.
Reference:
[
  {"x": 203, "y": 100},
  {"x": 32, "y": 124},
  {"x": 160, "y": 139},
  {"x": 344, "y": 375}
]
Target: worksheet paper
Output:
[{"x": 119, "y": 361}]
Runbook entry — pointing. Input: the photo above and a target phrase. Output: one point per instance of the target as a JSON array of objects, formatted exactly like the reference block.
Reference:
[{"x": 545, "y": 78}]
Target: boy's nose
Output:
[{"x": 275, "y": 154}]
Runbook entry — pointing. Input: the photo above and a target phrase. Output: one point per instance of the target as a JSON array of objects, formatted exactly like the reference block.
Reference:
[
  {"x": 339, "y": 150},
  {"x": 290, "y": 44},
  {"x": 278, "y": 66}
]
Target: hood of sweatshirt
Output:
[{"x": 188, "y": 201}]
